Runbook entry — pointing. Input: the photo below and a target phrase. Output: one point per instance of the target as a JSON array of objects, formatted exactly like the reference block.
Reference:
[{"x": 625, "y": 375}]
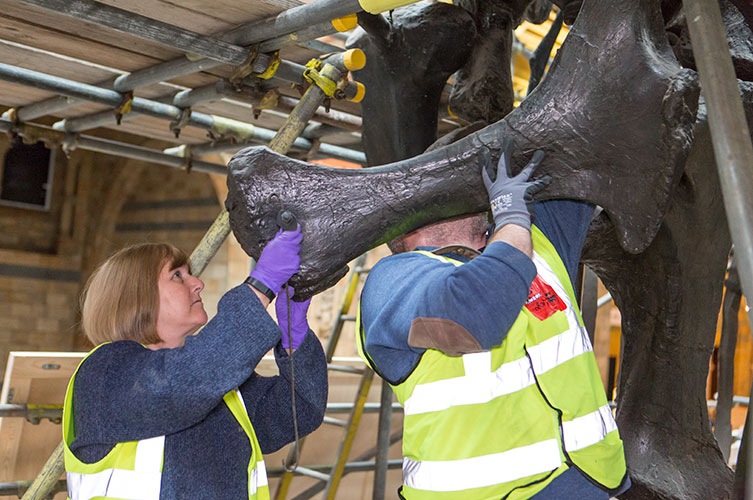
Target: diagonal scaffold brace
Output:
[{"x": 332, "y": 69}]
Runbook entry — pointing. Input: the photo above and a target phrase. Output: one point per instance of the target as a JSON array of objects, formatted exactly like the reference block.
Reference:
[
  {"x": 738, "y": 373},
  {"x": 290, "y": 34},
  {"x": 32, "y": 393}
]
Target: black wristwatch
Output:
[{"x": 261, "y": 287}]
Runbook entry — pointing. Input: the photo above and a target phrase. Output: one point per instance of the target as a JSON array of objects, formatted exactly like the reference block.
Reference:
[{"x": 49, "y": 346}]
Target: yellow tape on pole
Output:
[
  {"x": 377, "y": 6},
  {"x": 360, "y": 93}
]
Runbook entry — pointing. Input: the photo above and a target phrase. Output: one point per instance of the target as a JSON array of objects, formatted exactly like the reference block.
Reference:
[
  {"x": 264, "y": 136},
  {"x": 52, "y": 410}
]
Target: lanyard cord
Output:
[{"x": 296, "y": 447}]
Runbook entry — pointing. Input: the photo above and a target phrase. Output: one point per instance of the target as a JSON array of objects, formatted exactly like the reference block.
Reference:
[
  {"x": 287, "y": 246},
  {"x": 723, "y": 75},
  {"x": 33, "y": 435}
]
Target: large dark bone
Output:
[
  {"x": 669, "y": 297},
  {"x": 597, "y": 127},
  {"x": 738, "y": 32},
  {"x": 483, "y": 86},
  {"x": 409, "y": 59},
  {"x": 570, "y": 9}
]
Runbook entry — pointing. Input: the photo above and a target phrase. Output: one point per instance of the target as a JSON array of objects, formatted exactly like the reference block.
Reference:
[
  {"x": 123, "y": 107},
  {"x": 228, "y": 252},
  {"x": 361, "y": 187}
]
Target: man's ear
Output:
[{"x": 397, "y": 245}]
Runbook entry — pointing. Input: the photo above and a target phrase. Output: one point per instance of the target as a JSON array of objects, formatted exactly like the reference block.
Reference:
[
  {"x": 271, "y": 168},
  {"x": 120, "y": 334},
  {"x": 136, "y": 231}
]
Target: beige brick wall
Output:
[
  {"x": 35, "y": 314},
  {"x": 168, "y": 205},
  {"x": 86, "y": 224}
]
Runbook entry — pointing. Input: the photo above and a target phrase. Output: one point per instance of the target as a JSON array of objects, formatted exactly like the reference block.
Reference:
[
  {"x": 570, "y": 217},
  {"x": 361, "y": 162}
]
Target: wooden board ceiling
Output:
[{"x": 53, "y": 43}]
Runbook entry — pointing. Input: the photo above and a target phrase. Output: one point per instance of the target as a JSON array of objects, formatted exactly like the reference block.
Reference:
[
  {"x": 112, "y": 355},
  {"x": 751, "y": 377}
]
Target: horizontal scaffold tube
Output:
[
  {"x": 282, "y": 103},
  {"x": 305, "y": 15},
  {"x": 292, "y": 73},
  {"x": 18, "y": 488},
  {"x": 106, "y": 146},
  {"x": 349, "y": 467},
  {"x": 183, "y": 66},
  {"x": 32, "y": 412},
  {"x": 217, "y": 124},
  {"x": 114, "y": 99},
  {"x": 262, "y": 136}
]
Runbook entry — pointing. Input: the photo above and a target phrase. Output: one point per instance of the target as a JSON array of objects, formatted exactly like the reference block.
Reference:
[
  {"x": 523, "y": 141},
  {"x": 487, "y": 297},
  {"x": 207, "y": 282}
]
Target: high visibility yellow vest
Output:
[
  {"x": 133, "y": 470},
  {"x": 504, "y": 423}
]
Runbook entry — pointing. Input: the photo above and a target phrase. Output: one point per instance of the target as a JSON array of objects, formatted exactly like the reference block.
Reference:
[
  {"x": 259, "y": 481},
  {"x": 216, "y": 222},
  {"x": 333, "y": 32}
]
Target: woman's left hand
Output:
[{"x": 298, "y": 322}]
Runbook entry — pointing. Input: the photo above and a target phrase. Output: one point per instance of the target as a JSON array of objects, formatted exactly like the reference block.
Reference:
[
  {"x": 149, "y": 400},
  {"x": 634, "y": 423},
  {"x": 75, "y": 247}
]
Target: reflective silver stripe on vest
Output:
[
  {"x": 480, "y": 385},
  {"x": 486, "y": 470},
  {"x": 258, "y": 478},
  {"x": 142, "y": 483},
  {"x": 589, "y": 429},
  {"x": 559, "y": 349}
]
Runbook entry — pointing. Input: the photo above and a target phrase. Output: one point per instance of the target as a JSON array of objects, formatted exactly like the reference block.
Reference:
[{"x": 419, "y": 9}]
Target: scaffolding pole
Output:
[
  {"x": 33, "y": 132},
  {"x": 18, "y": 488},
  {"x": 232, "y": 146},
  {"x": 304, "y": 15},
  {"x": 47, "y": 481},
  {"x": 32, "y": 412},
  {"x": 286, "y": 72},
  {"x": 218, "y": 125},
  {"x": 383, "y": 442},
  {"x": 271, "y": 40},
  {"x": 733, "y": 153},
  {"x": 246, "y": 93}
]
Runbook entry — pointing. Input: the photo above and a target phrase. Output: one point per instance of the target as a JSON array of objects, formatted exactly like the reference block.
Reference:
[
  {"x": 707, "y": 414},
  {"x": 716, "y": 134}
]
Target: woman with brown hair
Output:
[{"x": 159, "y": 411}]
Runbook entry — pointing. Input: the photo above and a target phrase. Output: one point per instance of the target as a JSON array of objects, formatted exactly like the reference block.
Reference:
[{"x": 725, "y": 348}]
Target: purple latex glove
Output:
[
  {"x": 299, "y": 325},
  {"x": 279, "y": 260}
]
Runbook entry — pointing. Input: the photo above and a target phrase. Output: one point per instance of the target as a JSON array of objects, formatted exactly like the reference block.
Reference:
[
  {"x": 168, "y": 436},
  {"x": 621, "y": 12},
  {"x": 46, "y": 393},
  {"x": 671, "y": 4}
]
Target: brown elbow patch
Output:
[{"x": 442, "y": 334}]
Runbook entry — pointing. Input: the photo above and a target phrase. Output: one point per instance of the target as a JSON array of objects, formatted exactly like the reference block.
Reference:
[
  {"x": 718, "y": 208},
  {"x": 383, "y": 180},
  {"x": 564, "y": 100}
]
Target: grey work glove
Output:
[{"x": 511, "y": 197}]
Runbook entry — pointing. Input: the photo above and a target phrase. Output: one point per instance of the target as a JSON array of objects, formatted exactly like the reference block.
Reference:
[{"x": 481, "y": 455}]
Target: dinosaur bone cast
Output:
[
  {"x": 483, "y": 86},
  {"x": 606, "y": 137},
  {"x": 669, "y": 297},
  {"x": 413, "y": 54}
]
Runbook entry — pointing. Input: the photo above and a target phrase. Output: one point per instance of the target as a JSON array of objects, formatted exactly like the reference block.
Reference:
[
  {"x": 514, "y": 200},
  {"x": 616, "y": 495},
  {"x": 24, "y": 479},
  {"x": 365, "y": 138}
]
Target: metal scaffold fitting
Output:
[{"x": 313, "y": 75}]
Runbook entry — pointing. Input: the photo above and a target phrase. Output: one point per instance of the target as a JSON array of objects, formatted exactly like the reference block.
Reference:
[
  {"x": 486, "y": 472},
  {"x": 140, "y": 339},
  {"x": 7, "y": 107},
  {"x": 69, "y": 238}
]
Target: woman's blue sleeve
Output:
[{"x": 268, "y": 399}]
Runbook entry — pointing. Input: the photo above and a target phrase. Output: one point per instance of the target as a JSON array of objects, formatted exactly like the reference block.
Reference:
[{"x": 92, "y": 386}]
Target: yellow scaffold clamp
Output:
[
  {"x": 274, "y": 63},
  {"x": 311, "y": 73},
  {"x": 12, "y": 116},
  {"x": 124, "y": 107}
]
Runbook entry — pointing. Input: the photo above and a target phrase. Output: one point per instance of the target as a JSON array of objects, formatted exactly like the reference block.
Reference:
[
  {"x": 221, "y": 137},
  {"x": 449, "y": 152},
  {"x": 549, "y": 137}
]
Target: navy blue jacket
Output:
[{"x": 125, "y": 392}]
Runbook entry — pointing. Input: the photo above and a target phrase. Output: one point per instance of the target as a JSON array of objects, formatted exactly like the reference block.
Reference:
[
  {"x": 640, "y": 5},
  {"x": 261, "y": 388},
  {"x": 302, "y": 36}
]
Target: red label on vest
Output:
[{"x": 542, "y": 300}]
